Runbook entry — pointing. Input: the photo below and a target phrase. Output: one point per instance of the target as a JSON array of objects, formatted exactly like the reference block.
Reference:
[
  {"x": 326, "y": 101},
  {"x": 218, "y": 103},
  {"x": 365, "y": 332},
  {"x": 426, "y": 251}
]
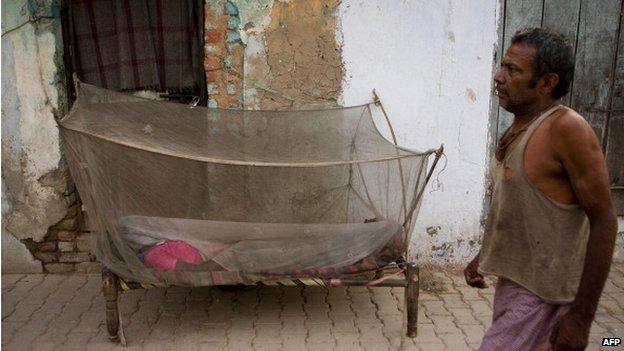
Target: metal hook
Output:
[{"x": 195, "y": 101}]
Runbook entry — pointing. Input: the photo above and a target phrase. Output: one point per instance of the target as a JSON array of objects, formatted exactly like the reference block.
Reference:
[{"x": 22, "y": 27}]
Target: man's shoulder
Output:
[
  {"x": 570, "y": 133},
  {"x": 569, "y": 125}
]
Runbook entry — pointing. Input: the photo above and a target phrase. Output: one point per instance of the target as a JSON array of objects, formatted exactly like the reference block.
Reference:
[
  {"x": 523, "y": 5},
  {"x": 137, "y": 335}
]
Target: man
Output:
[{"x": 551, "y": 228}]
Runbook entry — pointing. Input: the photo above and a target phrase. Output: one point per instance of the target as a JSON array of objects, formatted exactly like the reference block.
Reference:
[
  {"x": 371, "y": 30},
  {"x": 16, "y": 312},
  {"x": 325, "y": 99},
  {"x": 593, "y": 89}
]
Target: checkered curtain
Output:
[{"x": 137, "y": 44}]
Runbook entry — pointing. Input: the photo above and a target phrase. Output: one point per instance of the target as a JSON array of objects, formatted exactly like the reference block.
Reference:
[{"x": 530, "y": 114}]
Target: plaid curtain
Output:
[{"x": 137, "y": 44}]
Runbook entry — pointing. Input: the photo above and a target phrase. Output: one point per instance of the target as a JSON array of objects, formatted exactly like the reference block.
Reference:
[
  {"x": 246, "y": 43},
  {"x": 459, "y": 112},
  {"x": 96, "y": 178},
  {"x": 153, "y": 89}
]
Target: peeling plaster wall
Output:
[
  {"x": 292, "y": 59},
  {"x": 33, "y": 95},
  {"x": 431, "y": 62}
]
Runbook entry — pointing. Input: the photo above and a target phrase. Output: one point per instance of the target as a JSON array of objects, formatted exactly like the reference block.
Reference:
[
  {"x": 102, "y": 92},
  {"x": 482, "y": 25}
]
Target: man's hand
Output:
[
  {"x": 473, "y": 278},
  {"x": 570, "y": 333}
]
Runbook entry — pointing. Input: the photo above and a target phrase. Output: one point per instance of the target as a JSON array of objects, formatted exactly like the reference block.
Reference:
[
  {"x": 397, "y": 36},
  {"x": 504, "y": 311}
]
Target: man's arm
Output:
[{"x": 578, "y": 149}]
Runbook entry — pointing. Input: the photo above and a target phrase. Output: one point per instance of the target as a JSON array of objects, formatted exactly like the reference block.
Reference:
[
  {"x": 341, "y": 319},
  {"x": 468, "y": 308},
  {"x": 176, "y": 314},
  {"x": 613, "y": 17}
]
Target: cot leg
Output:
[
  {"x": 411, "y": 298},
  {"x": 110, "y": 288}
]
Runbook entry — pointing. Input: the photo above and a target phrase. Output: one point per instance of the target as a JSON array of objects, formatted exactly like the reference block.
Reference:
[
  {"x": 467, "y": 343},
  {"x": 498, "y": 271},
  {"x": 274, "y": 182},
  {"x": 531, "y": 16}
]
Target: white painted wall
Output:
[
  {"x": 431, "y": 62},
  {"x": 32, "y": 188}
]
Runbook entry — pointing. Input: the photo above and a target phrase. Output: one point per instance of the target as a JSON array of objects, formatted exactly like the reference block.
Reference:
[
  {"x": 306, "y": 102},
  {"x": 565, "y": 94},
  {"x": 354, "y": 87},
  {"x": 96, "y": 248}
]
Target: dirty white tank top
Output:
[{"x": 531, "y": 239}]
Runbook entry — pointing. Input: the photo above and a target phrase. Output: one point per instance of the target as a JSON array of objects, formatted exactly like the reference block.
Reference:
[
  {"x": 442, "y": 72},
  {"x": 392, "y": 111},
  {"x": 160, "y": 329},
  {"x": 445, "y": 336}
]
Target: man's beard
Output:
[{"x": 511, "y": 103}]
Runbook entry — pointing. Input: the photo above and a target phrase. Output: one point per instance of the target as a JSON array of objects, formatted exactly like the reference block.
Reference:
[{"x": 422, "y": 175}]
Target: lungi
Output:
[{"x": 521, "y": 320}]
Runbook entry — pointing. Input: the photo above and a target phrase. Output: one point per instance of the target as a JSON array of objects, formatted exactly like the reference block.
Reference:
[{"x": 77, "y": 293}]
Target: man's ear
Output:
[{"x": 548, "y": 83}]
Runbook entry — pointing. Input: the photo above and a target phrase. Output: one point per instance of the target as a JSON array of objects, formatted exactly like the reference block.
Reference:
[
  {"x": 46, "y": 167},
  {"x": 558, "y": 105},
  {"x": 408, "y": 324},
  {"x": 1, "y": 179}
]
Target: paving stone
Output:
[
  {"x": 293, "y": 342},
  {"x": 470, "y": 293},
  {"x": 445, "y": 325},
  {"x": 59, "y": 267},
  {"x": 463, "y": 316},
  {"x": 435, "y": 308},
  {"x": 481, "y": 308},
  {"x": 456, "y": 342},
  {"x": 344, "y": 324},
  {"x": 474, "y": 333},
  {"x": 88, "y": 267},
  {"x": 22, "y": 313},
  {"x": 66, "y": 312},
  {"x": 375, "y": 346},
  {"x": 453, "y": 301},
  {"x": 475, "y": 345},
  {"x": 433, "y": 347}
]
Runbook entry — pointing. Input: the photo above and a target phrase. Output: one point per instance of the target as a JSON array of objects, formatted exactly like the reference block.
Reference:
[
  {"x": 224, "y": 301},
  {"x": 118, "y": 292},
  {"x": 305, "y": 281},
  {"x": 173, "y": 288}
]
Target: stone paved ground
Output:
[{"x": 65, "y": 312}]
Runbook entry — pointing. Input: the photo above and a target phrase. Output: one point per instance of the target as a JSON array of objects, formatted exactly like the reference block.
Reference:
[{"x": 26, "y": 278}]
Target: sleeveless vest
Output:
[{"x": 531, "y": 239}]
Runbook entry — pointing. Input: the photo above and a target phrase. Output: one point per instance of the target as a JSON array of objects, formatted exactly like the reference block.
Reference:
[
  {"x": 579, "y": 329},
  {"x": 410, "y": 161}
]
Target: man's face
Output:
[{"x": 513, "y": 79}]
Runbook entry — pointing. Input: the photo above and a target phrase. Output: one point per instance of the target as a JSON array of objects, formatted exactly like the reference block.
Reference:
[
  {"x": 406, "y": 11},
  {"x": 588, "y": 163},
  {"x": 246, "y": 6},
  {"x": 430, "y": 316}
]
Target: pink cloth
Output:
[
  {"x": 521, "y": 321},
  {"x": 165, "y": 256}
]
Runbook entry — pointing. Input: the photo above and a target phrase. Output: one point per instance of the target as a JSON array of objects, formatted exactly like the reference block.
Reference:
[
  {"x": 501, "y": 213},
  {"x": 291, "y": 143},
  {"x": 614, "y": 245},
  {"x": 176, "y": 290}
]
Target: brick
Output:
[
  {"x": 212, "y": 62},
  {"x": 88, "y": 267},
  {"x": 66, "y": 246},
  {"x": 74, "y": 257},
  {"x": 47, "y": 246},
  {"x": 46, "y": 257},
  {"x": 66, "y": 235},
  {"x": 67, "y": 224},
  {"x": 83, "y": 242},
  {"x": 214, "y": 76},
  {"x": 214, "y": 36},
  {"x": 59, "y": 267}
]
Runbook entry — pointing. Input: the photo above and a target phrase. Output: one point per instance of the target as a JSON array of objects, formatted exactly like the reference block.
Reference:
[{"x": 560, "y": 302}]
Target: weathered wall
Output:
[
  {"x": 431, "y": 62},
  {"x": 292, "y": 59},
  {"x": 224, "y": 51},
  {"x": 32, "y": 96}
]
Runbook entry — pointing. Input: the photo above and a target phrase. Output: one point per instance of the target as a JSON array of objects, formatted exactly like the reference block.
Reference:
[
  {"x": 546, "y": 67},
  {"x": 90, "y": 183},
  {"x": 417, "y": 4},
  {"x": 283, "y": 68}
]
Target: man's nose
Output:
[{"x": 498, "y": 77}]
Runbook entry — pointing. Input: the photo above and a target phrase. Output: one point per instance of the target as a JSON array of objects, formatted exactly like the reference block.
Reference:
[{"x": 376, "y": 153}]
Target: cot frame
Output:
[{"x": 113, "y": 285}]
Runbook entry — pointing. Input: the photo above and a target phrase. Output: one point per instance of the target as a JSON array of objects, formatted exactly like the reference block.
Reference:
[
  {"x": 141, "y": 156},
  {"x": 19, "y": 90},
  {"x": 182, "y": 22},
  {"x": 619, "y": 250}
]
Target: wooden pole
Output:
[{"x": 411, "y": 298}]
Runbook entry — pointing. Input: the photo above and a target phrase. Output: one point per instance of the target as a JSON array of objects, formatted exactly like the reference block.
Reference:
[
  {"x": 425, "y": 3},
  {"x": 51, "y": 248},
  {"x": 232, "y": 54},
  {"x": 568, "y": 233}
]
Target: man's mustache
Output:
[{"x": 499, "y": 90}]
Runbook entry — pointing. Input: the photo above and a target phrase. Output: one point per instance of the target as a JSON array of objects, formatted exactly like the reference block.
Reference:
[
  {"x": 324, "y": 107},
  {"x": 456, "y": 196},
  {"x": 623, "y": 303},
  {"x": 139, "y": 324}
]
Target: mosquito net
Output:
[{"x": 199, "y": 196}]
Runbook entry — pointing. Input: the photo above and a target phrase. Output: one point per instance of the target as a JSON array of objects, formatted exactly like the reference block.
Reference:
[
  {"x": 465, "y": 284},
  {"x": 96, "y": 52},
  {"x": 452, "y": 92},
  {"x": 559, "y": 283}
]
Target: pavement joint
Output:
[{"x": 66, "y": 312}]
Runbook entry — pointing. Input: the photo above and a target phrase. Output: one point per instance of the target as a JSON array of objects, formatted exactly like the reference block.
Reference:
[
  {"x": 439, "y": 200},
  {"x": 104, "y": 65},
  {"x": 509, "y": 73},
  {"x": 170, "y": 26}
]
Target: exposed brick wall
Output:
[
  {"x": 67, "y": 246},
  {"x": 224, "y": 53}
]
